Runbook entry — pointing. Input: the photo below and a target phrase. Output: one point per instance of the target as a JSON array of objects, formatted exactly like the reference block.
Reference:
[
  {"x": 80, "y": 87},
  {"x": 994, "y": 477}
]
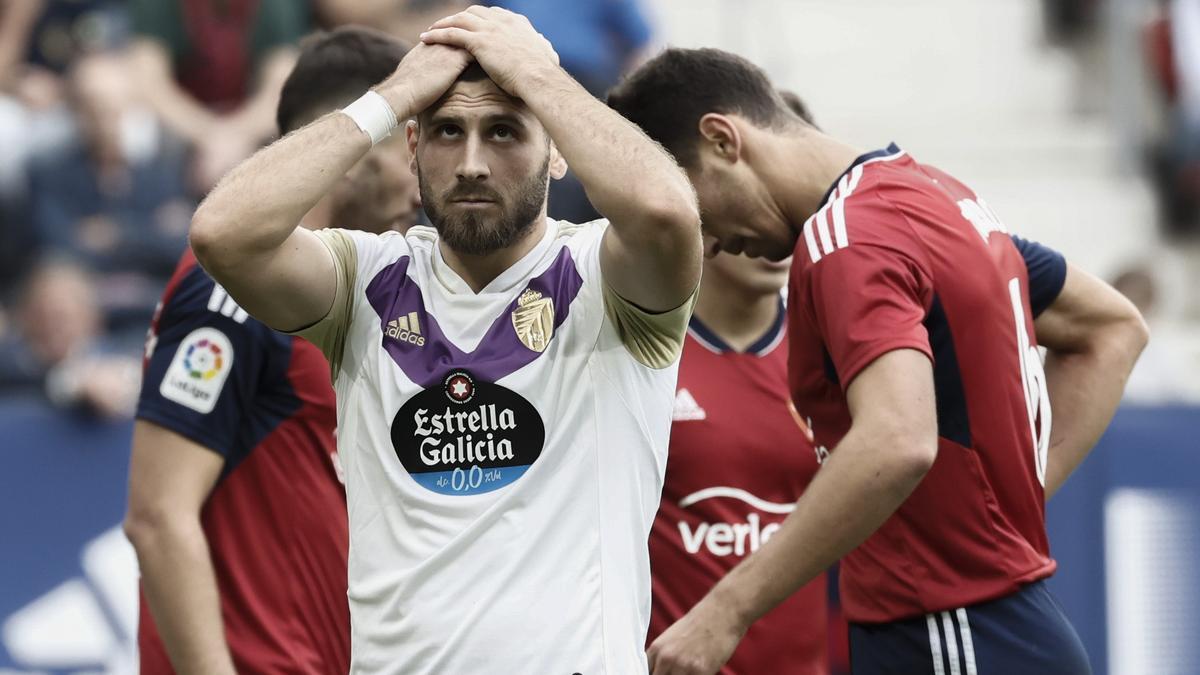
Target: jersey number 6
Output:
[{"x": 1033, "y": 381}]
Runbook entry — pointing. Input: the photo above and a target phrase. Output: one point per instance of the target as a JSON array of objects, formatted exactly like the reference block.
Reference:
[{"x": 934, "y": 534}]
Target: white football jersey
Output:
[{"x": 503, "y": 453}]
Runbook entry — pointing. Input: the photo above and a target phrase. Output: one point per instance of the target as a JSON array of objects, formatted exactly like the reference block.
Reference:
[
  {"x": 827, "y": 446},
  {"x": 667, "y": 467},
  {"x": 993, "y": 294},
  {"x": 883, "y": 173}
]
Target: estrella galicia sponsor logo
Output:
[{"x": 466, "y": 436}]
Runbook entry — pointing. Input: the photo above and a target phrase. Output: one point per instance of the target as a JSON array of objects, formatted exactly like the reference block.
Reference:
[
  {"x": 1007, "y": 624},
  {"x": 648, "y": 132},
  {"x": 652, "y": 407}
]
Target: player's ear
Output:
[
  {"x": 720, "y": 136},
  {"x": 558, "y": 165},
  {"x": 411, "y": 133}
]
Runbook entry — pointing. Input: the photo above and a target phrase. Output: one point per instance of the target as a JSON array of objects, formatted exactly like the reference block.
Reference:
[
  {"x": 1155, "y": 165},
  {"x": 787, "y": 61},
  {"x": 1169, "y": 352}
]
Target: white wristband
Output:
[{"x": 372, "y": 113}]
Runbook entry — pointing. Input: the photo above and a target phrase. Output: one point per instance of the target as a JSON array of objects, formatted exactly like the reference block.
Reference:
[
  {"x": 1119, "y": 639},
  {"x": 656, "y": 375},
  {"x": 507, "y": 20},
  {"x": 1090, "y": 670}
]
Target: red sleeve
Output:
[{"x": 866, "y": 300}]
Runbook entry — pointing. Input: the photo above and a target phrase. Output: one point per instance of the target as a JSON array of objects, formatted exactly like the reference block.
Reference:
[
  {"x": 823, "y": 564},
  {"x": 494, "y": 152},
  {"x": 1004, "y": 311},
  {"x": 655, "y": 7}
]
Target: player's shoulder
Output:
[
  {"x": 577, "y": 234},
  {"x": 421, "y": 237},
  {"x": 859, "y": 210},
  {"x": 365, "y": 250},
  {"x": 580, "y": 240}
]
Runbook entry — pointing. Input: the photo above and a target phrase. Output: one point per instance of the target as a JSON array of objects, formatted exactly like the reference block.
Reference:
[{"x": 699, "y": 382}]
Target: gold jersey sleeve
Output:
[
  {"x": 654, "y": 339},
  {"x": 329, "y": 333}
]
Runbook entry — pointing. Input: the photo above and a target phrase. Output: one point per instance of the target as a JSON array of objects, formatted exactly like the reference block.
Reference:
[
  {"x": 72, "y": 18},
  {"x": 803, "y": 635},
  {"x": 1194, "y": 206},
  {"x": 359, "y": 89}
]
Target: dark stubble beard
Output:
[{"x": 475, "y": 233}]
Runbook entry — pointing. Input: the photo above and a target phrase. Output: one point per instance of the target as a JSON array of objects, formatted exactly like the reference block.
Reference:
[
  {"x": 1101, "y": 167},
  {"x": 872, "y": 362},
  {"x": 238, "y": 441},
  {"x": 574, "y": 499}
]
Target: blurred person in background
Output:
[
  {"x": 115, "y": 199},
  {"x": 404, "y": 19},
  {"x": 212, "y": 70},
  {"x": 55, "y": 346},
  {"x": 1172, "y": 44},
  {"x": 914, "y": 323},
  {"x": 1164, "y": 372},
  {"x": 40, "y": 40},
  {"x": 1076, "y": 26},
  {"x": 236, "y": 509}
]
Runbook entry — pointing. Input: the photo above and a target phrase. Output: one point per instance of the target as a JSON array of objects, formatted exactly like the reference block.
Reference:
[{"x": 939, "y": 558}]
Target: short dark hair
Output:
[
  {"x": 334, "y": 69},
  {"x": 669, "y": 94},
  {"x": 798, "y": 106}
]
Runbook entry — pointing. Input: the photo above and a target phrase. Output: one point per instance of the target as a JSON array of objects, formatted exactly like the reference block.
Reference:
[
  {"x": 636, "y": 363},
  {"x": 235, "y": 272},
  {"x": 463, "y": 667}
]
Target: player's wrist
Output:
[
  {"x": 399, "y": 98},
  {"x": 729, "y": 608},
  {"x": 541, "y": 79},
  {"x": 373, "y": 115}
]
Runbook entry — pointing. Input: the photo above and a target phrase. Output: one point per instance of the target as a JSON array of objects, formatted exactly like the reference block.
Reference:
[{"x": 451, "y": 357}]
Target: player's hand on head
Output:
[
  {"x": 504, "y": 43},
  {"x": 698, "y": 644},
  {"x": 425, "y": 73}
]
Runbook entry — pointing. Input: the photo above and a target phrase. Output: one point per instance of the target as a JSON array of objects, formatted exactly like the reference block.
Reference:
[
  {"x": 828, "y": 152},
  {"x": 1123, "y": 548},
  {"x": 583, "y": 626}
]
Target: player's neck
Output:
[
  {"x": 801, "y": 167},
  {"x": 477, "y": 271},
  {"x": 738, "y": 316}
]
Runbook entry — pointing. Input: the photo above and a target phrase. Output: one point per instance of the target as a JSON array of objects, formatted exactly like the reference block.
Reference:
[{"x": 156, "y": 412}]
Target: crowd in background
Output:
[
  {"x": 1166, "y": 44},
  {"x": 117, "y": 117}
]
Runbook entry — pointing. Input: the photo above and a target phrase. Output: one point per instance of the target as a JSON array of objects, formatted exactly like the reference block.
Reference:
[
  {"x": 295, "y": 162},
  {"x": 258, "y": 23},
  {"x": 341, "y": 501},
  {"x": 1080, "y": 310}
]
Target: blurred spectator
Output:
[
  {"x": 1074, "y": 25},
  {"x": 212, "y": 69},
  {"x": 1172, "y": 42},
  {"x": 55, "y": 346},
  {"x": 39, "y": 40},
  {"x": 16, "y": 244},
  {"x": 116, "y": 199},
  {"x": 404, "y": 19},
  {"x": 1070, "y": 21},
  {"x": 1163, "y": 373}
]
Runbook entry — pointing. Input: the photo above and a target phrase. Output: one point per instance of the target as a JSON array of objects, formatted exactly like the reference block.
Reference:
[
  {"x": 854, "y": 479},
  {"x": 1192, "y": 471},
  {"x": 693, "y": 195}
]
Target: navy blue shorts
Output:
[{"x": 1024, "y": 633}]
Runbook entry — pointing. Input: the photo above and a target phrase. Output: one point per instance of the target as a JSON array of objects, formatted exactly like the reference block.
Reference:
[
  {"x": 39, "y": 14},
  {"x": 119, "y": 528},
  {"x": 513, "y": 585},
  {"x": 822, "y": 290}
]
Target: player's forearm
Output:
[
  {"x": 254, "y": 209},
  {"x": 181, "y": 588},
  {"x": 630, "y": 179},
  {"x": 862, "y": 483},
  {"x": 1085, "y": 388}
]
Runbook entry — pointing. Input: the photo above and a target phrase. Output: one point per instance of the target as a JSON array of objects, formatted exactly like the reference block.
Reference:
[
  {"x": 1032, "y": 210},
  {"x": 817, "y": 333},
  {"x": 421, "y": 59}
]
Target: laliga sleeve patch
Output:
[{"x": 199, "y": 370}]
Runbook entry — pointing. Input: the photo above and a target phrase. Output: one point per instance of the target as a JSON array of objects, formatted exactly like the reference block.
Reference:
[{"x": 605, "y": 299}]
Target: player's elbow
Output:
[
  {"x": 218, "y": 239},
  {"x": 907, "y": 449},
  {"x": 1121, "y": 341},
  {"x": 1135, "y": 333},
  {"x": 204, "y": 235},
  {"x": 672, "y": 213},
  {"x": 148, "y": 526},
  {"x": 913, "y": 458}
]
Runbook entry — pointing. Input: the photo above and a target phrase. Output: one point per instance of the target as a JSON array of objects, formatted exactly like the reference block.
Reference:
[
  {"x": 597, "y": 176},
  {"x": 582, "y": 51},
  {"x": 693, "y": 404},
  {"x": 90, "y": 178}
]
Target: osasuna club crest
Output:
[{"x": 465, "y": 436}]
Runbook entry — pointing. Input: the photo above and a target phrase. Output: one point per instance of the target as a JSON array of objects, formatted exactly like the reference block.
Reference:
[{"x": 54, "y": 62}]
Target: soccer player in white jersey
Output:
[{"x": 504, "y": 381}]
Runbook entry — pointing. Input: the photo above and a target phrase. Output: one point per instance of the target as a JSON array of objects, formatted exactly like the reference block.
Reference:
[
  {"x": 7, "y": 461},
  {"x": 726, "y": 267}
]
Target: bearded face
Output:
[
  {"x": 483, "y": 162},
  {"x": 477, "y": 218}
]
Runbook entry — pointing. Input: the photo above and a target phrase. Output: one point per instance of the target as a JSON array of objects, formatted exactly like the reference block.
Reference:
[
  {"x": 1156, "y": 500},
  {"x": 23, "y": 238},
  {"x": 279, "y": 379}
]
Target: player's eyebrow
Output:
[{"x": 511, "y": 118}]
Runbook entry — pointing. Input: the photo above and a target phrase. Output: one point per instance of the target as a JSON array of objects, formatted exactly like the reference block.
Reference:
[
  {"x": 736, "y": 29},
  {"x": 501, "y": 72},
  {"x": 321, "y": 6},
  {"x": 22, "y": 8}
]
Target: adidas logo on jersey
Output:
[
  {"x": 686, "y": 409},
  {"x": 221, "y": 303},
  {"x": 406, "y": 329}
]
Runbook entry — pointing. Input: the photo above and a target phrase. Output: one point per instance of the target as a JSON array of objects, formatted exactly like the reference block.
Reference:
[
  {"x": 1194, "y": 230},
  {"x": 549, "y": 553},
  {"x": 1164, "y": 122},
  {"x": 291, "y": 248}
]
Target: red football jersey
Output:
[
  {"x": 902, "y": 255},
  {"x": 738, "y": 461},
  {"x": 275, "y": 522}
]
